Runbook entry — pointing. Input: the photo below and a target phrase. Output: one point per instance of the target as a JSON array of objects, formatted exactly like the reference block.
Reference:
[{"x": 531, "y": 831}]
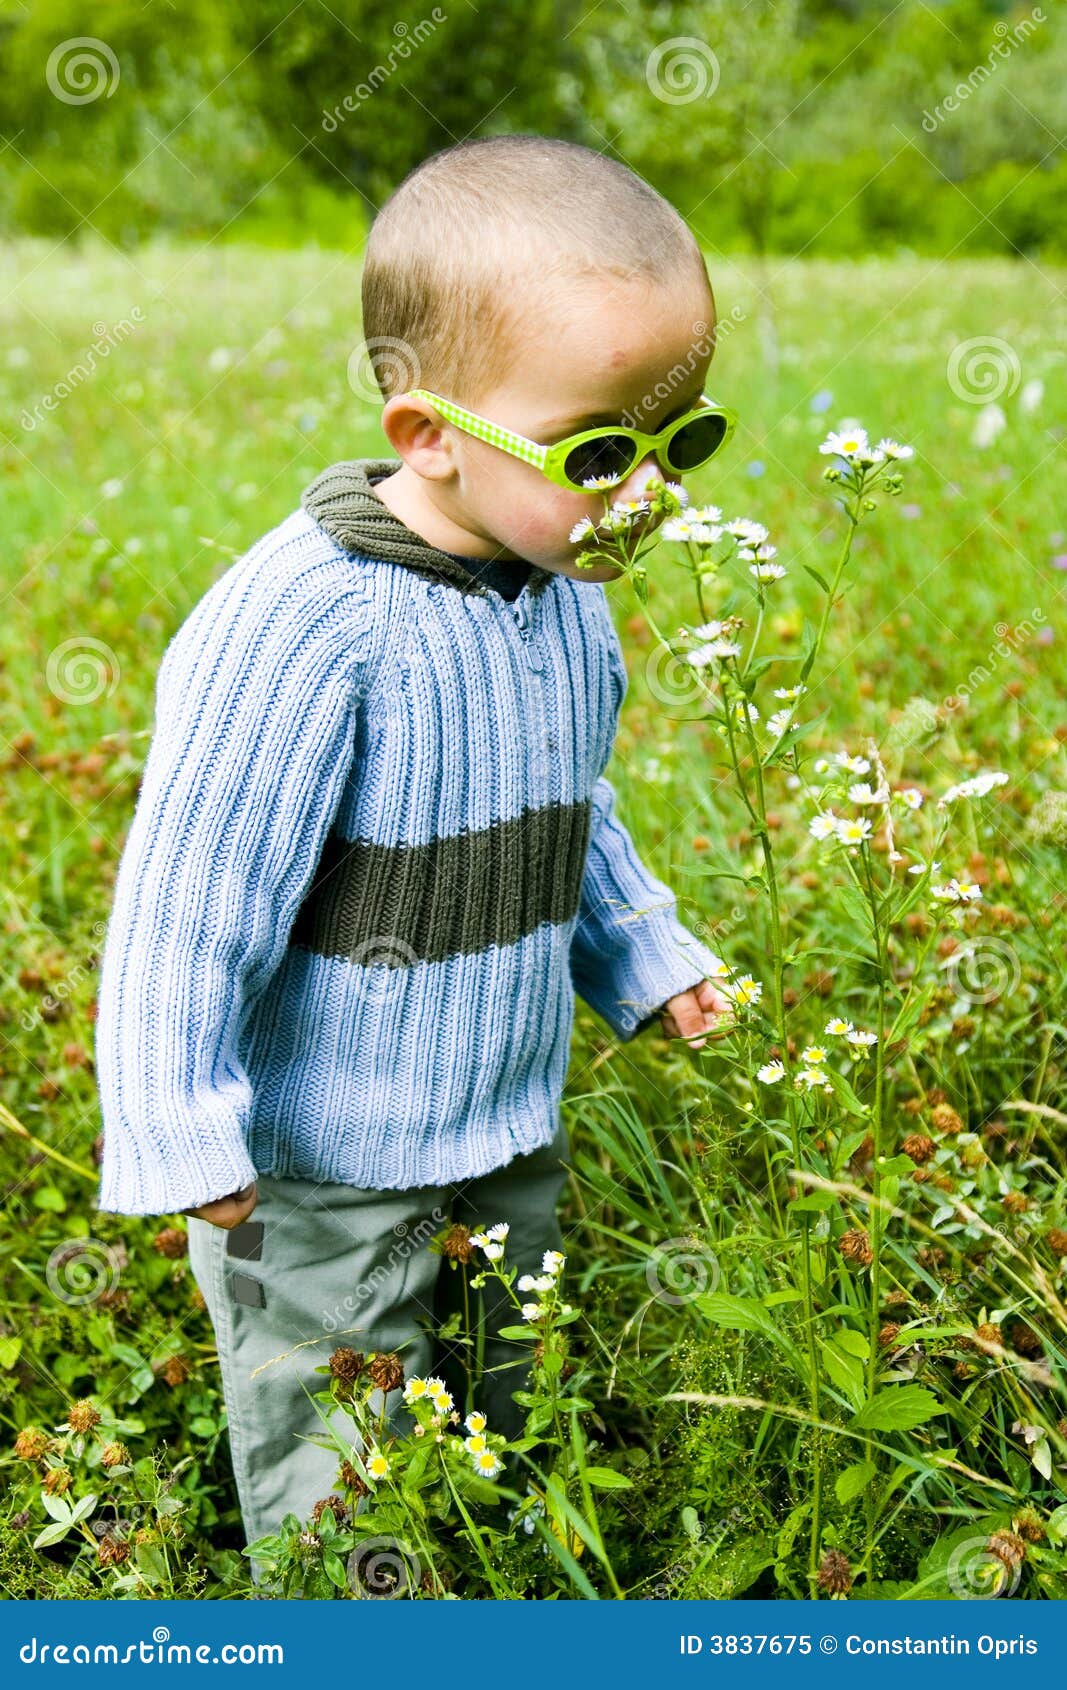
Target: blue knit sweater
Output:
[{"x": 373, "y": 856}]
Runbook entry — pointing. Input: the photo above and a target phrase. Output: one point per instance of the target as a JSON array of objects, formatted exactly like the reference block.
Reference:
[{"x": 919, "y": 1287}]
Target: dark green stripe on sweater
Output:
[{"x": 397, "y": 905}]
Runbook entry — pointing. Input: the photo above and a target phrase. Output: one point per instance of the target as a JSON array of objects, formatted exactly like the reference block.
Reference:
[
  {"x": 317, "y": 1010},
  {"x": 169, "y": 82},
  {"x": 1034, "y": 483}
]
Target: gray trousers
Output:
[{"x": 320, "y": 1265}]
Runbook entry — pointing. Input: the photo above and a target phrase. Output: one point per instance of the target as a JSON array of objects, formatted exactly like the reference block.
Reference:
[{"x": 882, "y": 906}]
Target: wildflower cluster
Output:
[
  {"x": 434, "y": 1411},
  {"x": 491, "y": 1242}
]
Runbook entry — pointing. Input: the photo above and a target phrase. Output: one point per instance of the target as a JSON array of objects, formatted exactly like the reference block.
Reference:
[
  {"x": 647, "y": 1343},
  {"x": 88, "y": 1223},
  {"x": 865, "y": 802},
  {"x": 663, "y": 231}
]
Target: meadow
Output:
[{"x": 813, "y": 1336}]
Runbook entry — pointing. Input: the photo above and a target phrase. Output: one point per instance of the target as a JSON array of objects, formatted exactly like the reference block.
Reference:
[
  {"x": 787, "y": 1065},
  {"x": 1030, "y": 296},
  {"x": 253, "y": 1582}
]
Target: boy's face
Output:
[{"x": 601, "y": 353}]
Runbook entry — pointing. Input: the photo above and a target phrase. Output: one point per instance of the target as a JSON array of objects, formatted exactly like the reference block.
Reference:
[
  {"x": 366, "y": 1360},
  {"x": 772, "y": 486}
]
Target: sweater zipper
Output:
[{"x": 522, "y": 617}]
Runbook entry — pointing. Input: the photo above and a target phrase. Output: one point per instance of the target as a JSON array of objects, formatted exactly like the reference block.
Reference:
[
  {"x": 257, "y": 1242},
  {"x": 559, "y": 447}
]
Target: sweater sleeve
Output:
[
  {"x": 630, "y": 952},
  {"x": 253, "y": 739}
]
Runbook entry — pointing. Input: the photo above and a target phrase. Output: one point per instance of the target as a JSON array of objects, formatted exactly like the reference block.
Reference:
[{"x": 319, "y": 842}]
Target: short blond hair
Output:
[{"x": 455, "y": 253}]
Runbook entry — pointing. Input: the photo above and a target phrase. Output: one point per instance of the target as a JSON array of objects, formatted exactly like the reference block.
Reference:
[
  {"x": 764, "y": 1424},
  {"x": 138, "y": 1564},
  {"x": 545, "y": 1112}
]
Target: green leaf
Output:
[
  {"x": 736, "y": 1314},
  {"x": 526, "y": 1332},
  {"x": 151, "y": 1564},
  {"x": 853, "y": 1343},
  {"x": 334, "y": 1569},
  {"x": 816, "y": 577},
  {"x": 51, "y": 1534},
  {"x": 898, "y": 1409},
  {"x": 203, "y": 1426},
  {"x": 845, "y": 1372},
  {"x": 9, "y": 1351},
  {"x": 48, "y": 1197},
  {"x": 1041, "y": 1456},
  {"x": 854, "y": 1479},
  {"x": 790, "y": 1527},
  {"x": 83, "y": 1509},
  {"x": 815, "y": 1203},
  {"x": 606, "y": 1478},
  {"x": 56, "y": 1506}
]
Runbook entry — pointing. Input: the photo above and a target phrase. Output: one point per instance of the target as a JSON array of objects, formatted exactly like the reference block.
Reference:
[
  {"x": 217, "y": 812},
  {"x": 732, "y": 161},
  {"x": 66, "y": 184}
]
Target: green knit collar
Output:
[{"x": 344, "y": 503}]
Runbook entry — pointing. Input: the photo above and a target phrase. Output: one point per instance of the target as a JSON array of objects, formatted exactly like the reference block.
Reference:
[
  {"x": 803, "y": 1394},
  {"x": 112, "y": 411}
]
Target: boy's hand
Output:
[
  {"x": 692, "y": 1014},
  {"x": 228, "y": 1212}
]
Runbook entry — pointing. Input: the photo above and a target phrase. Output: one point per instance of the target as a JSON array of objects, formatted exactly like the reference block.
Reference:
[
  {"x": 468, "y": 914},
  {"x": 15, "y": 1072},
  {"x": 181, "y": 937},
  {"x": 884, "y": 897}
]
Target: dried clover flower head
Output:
[{"x": 83, "y": 1416}]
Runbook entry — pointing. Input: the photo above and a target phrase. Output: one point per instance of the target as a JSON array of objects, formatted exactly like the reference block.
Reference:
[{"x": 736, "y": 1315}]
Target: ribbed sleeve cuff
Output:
[
  {"x": 630, "y": 952},
  {"x": 135, "y": 1181},
  {"x": 663, "y": 959}
]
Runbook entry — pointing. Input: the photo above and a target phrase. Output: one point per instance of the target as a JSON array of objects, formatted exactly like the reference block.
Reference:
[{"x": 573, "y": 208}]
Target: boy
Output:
[{"x": 374, "y": 851}]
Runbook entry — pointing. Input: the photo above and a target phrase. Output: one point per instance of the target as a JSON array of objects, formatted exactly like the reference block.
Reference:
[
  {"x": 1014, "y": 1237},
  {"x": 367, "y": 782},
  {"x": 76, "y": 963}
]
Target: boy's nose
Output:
[{"x": 647, "y": 470}]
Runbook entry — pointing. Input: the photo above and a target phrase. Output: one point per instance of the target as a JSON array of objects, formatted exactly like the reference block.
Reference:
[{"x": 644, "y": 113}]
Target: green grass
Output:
[{"x": 196, "y": 434}]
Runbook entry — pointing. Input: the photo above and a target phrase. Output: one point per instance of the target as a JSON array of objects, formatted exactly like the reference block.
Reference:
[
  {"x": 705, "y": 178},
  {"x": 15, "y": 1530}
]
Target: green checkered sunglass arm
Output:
[{"x": 517, "y": 444}]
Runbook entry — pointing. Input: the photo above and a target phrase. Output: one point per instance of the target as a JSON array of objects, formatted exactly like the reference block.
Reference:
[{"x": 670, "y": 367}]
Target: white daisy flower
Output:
[
  {"x": 705, "y": 513},
  {"x": 488, "y": 1464},
  {"x": 779, "y": 722},
  {"x": 584, "y": 530},
  {"x": 746, "y": 990},
  {"x": 475, "y": 1443},
  {"x": 957, "y": 892},
  {"x": 552, "y": 1261},
  {"x": 824, "y": 825},
  {"x": 858, "y": 1036},
  {"x": 852, "y": 444},
  {"x": 739, "y": 709},
  {"x": 892, "y": 450},
  {"x": 809, "y": 1078},
  {"x": 855, "y": 765},
  {"x": 677, "y": 528},
  {"x": 767, "y": 571},
  {"x": 532, "y": 1311},
  {"x": 771, "y": 1073},
  {"x": 493, "y": 1251},
  {"x": 814, "y": 1056},
  {"x": 709, "y": 630},
  {"x": 853, "y": 830},
  {"x": 376, "y": 1464},
  {"x": 911, "y": 797},
  {"x": 415, "y": 1389},
  {"x": 598, "y": 483},
  {"x": 790, "y": 692},
  {"x": 702, "y": 656},
  {"x": 920, "y": 868},
  {"x": 837, "y": 1025},
  {"x": 499, "y": 1232},
  {"x": 749, "y": 533},
  {"x": 864, "y": 793},
  {"x": 475, "y": 1421},
  {"x": 977, "y": 787}
]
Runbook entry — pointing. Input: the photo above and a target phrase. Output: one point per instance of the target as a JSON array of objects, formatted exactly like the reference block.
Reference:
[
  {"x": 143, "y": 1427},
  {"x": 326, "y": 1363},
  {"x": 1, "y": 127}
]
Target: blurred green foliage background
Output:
[{"x": 804, "y": 126}]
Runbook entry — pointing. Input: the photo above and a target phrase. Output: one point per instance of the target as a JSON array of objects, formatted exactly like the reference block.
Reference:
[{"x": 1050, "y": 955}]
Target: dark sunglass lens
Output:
[
  {"x": 694, "y": 444},
  {"x": 612, "y": 455}
]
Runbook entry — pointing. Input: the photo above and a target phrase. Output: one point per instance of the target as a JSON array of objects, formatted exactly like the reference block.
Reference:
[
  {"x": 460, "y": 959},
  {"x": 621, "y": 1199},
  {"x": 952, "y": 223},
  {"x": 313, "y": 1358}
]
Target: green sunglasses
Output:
[{"x": 604, "y": 455}]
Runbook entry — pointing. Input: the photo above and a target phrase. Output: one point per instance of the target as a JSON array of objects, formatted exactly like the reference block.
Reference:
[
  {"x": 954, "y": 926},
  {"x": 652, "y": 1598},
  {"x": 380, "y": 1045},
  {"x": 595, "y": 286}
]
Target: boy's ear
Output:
[{"x": 417, "y": 436}]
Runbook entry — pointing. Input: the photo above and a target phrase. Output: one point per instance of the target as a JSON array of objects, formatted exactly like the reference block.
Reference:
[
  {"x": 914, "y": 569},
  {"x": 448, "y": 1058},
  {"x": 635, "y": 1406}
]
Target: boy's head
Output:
[{"x": 548, "y": 289}]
